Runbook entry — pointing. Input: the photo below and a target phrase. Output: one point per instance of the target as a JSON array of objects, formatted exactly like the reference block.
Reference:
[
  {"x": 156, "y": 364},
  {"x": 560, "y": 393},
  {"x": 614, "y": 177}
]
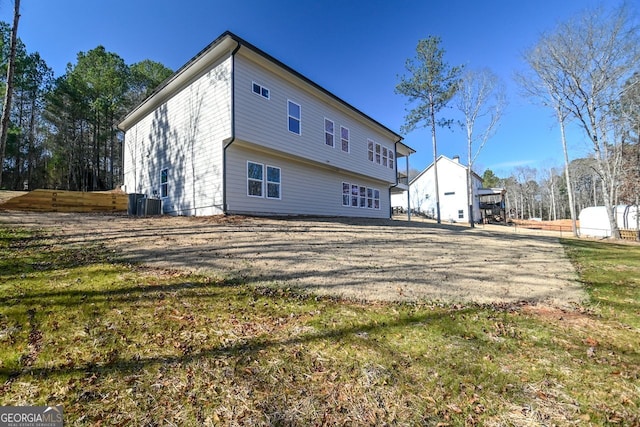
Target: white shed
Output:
[{"x": 594, "y": 221}]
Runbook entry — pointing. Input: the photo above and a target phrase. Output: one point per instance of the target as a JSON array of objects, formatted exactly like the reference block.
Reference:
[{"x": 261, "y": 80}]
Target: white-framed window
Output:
[
  {"x": 378, "y": 151},
  {"x": 274, "y": 183},
  {"x": 294, "y": 117},
  {"x": 257, "y": 181},
  {"x": 460, "y": 214},
  {"x": 328, "y": 132},
  {"x": 359, "y": 196},
  {"x": 164, "y": 182},
  {"x": 370, "y": 149},
  {"x": 258, "y": 89},
  {"x": 255, "y": 178},
  {"x": 354, "y": 195},
  {"x": 344, "y": 139},
  {"x": 346, "y": 196},
  {"x": 385, "y": 156},
  {"x": 391, "y": 159}
]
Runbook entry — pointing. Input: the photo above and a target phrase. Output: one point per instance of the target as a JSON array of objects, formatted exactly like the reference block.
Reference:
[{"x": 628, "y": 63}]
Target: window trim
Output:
[
  {"x": 333, "y": 133},
  {"x": 289, "y": 117},
  {"x": 360, "y": 197},
  {"x": 370, "y": 150},
  {"x": 256, "y": 180},
  {"x": 261, "y": 92},
  {"x": 267, "y": 182},
  {"x": 348, "y": 140},
  {"x": 392, "y": 157},
  {"x": 164, "y": 185}
]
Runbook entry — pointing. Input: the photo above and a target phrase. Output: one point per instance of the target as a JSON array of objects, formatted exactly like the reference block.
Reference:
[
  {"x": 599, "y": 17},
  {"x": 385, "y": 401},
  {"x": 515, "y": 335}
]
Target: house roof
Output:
[
  {"x": 231, "y": 43},
  {"x": 440, "y": 158}
]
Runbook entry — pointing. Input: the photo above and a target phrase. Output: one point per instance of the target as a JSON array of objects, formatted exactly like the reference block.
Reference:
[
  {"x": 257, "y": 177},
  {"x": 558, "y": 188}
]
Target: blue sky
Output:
[{"x": 355, "y": 49}]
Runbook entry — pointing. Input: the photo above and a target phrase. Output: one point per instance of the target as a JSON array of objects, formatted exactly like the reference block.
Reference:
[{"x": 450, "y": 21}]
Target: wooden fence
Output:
[{"x": 68, "y": 201}]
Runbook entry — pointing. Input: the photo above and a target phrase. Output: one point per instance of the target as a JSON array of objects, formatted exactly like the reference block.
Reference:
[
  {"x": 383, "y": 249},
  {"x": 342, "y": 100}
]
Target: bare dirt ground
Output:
[{"x": 389, "y": 260}]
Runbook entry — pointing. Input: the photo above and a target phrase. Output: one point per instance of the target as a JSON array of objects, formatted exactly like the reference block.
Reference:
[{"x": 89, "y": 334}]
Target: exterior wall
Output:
[
  {"x": 184, "y": 135},
  {"x": 306, "y": 189},
  {"x": 453, "y": 192},
  {"x": 264, "y": 122}
]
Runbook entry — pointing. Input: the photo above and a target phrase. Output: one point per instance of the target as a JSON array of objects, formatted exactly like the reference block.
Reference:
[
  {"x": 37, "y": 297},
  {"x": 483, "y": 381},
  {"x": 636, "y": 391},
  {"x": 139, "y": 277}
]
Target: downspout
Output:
[{"x": 230, "y": 140}]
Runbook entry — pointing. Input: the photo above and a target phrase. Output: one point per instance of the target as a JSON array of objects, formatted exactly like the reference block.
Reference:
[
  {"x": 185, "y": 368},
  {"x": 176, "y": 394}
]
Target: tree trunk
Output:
[
  {"x": 567, "y": 175},
  {"x": 6, "y": 108},
  {"x": 435, "y": 164}
]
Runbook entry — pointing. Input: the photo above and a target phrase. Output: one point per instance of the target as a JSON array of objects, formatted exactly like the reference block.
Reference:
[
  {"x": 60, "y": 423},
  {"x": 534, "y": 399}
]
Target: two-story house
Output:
[{"x": 237, "y": 131}]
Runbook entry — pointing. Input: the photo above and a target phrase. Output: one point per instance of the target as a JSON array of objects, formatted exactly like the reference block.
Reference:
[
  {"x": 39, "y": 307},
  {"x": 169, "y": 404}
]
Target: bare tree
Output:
[
  {"x": 592, "y": 57},
  {"x": 481, "y": 99},
  {"x": 6, "y": 107},
  {"x": 548, "y": 84}
]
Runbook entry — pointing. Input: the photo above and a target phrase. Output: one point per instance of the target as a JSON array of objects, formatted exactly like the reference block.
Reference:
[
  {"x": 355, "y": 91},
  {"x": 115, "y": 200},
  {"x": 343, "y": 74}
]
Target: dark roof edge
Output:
[
  {"x": 306, "y": 80},
  {"x": 270, "y": 58}
]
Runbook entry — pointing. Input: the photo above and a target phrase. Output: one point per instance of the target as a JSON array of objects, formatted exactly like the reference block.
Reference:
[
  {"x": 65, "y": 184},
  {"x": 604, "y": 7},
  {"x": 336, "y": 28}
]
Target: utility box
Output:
[
  {"x": 149, "y": 207},
  {"x": 132, "y": 207}
]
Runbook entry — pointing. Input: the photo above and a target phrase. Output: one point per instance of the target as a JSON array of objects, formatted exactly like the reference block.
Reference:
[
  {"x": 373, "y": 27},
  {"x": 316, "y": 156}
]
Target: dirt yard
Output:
[{"x": 359, "y": 259}]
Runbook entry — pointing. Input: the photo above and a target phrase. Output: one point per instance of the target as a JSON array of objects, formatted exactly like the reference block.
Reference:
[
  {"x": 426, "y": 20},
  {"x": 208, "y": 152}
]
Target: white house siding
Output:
[
  {"x": 452, "y": 184},
  {"x": 184, "y": 135},
  {"x": 264, "y": 122},
  {"x": 306, "y": 189}
]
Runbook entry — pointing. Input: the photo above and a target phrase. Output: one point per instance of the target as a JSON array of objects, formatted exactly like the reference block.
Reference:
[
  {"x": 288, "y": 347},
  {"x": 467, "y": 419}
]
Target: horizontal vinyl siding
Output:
[
  {"x": 264, "y": 121},
  {"x": 185, "y": 136},
  {"x": 305, "y": 189}
]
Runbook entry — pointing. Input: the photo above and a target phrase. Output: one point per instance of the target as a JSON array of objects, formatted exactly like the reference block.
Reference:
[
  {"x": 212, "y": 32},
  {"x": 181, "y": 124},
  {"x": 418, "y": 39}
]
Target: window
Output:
[
  {"x": 460, "y": 214},
  {"x": 357, "y": 196},
  {"x": 346, "y": 187},
  {"x": 260, "y": 90},
  {"x": 385, "y": 156},
  {"x": 164, "y": 182},
  {"x": 344, "y": 138},
  {"x": 273, "y": 182},
  {"x": 254, "y": 179},
  {"x": 378, "y": 153},
  {"x": 354, "y": 195},
  {"x": 391, "y": 162},
  {"x": 294, "y": 112},
  {"x": 370, "y": 146},
  {"x": 449, "y": 193},
  {"x": 328, "y": 132}
]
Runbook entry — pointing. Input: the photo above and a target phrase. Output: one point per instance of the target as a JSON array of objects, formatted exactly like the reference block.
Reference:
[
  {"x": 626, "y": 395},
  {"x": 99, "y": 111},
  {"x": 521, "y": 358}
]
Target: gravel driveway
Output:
[{"x": 359, "y": 259}]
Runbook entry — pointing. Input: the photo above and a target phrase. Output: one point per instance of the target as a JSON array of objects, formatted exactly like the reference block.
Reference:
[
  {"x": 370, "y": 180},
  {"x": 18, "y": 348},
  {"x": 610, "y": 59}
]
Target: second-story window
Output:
[
  {"x": 344, "y": 139},
  {"x": 370, "y": 147},
  {"x": 294, "y": 113},
  {"x": 258, "y": 89},
  {"x": 385, "y": 156},
  {"x": 378, "y": 153},
  {"x": 328, "y": 132},
  {"x": 391, "y": 162}
]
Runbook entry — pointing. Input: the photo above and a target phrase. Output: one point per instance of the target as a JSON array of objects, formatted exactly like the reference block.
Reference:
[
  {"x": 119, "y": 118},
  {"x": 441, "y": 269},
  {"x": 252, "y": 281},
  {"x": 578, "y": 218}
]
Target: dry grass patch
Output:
[{"x": 118, "y": 344}]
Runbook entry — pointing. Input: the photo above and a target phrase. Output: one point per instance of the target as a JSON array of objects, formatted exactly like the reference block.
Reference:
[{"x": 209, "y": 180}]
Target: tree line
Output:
[
  {"x": 62, "y": 130},
  {"x": 586, "y": 72}
]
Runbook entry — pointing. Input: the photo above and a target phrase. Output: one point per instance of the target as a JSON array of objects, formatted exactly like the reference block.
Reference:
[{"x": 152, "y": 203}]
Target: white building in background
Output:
[{"x": 452, "y": 183}]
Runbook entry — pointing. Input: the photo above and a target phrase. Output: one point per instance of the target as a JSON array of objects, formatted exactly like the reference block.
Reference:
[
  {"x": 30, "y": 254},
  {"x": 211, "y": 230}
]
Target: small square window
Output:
[{"x": 258, "y": 89}]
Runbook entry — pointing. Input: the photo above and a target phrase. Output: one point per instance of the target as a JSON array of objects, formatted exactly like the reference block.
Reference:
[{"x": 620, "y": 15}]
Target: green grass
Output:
[{"x": 121, "y": 344}]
